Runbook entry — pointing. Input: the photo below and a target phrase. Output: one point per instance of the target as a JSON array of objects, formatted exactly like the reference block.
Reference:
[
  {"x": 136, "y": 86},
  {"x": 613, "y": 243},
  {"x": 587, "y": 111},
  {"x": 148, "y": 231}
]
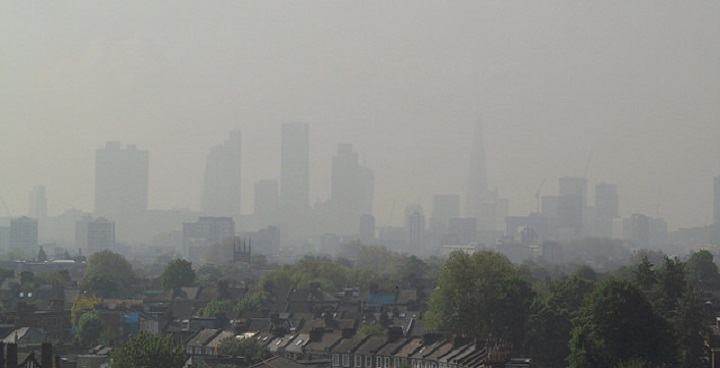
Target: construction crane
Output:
[{"x": 587, "y": 165}]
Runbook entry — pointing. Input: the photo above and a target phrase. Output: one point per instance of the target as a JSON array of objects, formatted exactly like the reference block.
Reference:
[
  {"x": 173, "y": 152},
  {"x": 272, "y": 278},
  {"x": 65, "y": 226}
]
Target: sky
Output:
[{"x": 633, "y": 85}]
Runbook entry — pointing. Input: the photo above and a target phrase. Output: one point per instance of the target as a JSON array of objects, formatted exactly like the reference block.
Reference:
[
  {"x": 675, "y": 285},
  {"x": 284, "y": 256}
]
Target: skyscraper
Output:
[
  {"x": 198, "y": 236},
  {"x": 295, "y": 181},
  {"x": 266, "y": 202},
  {"x": 352, "y": 190},
  {"x": 221, "y": 190},
  {"x": 606, "y": 208},
  {"x": 445, "y": 206},
  {"x": 38, "y": 203},
  {"x": 572, "y": 201},
  {"x": 24, "y": 234},
  {"x": 482, "y": 203},
  {"x": 295, "y": 167},
  {"x": 121, "y": 186},
  {"x": 716, "y": 211}
]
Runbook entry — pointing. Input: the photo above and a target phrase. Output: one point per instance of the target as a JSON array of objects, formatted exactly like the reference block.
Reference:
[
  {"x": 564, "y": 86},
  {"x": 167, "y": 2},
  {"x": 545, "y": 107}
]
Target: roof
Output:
[
  {"x": 410, "y": 348},
  {"x": 278, "y": 362},
  {"x": 371, "y": 345},
  {"x": 202, "y": 337}
]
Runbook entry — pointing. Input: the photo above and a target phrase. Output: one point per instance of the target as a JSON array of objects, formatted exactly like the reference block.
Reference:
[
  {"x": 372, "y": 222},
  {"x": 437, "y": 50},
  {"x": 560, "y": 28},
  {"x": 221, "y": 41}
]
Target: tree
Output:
[
  {"x": 146, "y": 350},
  {"x": 617, "y": 324},
  {"x": 90, "y": 327},
  {"x": 248, "y": 348},
  {"x": 690, "y": 324},
  {"x": 702, "y": 272},
  {"x": 108, "y": 274},
  {"x": 480, "y": 295},
  {"x": 550, "y": 321},
  {"x": 178, "y": 273}
]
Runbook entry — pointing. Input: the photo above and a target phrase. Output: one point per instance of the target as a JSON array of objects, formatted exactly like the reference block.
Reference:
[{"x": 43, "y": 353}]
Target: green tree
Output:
[
  {"x": 146, "y": 350},
  {"x": 248, "y": 348},
  {"x": 550, "y": 321},
  {"x": 702, "y": 272},
  {"x": 480, "y": 295},
  {"x": 178, "y": 273},
  {"x": 617, "y": 324},
  {"x": 90, "y": 327},
  {"x": 690, "y": 326},
  {"x": 108, "y": 274}
]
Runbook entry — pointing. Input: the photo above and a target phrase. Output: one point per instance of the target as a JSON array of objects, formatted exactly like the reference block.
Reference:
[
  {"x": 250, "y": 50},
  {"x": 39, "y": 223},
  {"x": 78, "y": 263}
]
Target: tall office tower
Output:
[
  {"x": 461, "y": 231},
  {"x": 606, "y": 208},
  {"x": 295, "y": 183},
  {"x": 481, "y": 203},
  {"x": 121, "y": 187},
  {"x": 24, "y": 234},
  {"x": 415, "y": 224},
  {"x": 266, "y": 202},
  {"x": 445, "y": 206},
  {"x": 198, "y": 236},
  {"x": 367, "y": 229},
  {"x": 100, "y": 235},
  {"x": 572, "y": 201},
  {"x": 221, "y": 190},
  {"x": 716, "y": 211},
  {"x": 295, "y": 167},
  {"x": 352, "y": 189},
  {"x": 38, "y": 203}
]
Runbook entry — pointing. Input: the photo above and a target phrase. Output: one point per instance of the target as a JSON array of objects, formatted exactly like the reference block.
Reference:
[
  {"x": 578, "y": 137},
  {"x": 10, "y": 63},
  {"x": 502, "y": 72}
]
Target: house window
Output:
[
  {"x": 358, "y": 361},
  {"x": 387, "y": 362},
  {"x": 396, "y": 362},
  {"x": 336, "y": 360},
  {"x": 189, "y": 349},
  {"x": 378, "y": 362},
  {"x": 346, "y": 360},
  {"x": 198, "y": 350},
  {"x": 368, "y": 361},
  {"x": 208, "y": 351}
]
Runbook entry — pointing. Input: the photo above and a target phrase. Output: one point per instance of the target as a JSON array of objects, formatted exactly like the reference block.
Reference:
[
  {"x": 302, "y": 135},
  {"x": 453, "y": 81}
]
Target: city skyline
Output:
[{"x": 402, "y": 83}]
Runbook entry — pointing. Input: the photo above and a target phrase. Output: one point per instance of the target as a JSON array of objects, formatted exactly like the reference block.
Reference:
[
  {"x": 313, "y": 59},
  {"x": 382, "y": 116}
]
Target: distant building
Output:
[
  {"x": 606, "y": 208},
  {"x": 264, "y": 241},
  {"x": 206, "y": 231},
  {"x": 266, "y": 202},
  {"x": 24, "y": 234},
  {"x": 100, "y": 235},
  {"x": 415, "y": 225},
  {"x": 716, "y": 210},
  {"x": 295, "y": 179},
  {"x": 367, "y": 229},
  {"x": 445, "y": 206},
  {"x": 552, "y": 252},
  {"x": 644, "y": 231},
  {"x": 221, "y": 190},
  {"x": 37, "y": 203},
  {"x": 352, "y": 190},
  {"x": 461, "y": 230},
  {"x": 572, "y": 201},
  {"x": 121, "y": 187}
]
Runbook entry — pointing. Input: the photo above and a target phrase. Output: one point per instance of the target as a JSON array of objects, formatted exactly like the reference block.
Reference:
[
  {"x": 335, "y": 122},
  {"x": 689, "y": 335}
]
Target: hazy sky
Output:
[{"x": 635, "y": 82}]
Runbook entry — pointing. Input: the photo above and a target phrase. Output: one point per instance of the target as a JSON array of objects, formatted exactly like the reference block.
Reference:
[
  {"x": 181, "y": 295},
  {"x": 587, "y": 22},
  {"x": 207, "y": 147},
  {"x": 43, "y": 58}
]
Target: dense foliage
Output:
[
  {"x": 178, "y": 273},
  {"x": 108, "y": 275},
  {"x": 145, "y": 350},
  {"x": 480, "y": 295}
]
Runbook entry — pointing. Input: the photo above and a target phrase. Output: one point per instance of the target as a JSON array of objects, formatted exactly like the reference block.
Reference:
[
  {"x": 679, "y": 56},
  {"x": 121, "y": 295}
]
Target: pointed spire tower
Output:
[{"x": 481, "y": 202}]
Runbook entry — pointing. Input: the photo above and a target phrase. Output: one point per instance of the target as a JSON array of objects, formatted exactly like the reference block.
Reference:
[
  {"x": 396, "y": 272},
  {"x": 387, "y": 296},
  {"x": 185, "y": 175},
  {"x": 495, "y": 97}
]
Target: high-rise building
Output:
[
  {"x": 482, "y": 203},
  {"x": 121, "y": 187},
  {"x": 221, "y": 190},
  {"x": 295, "y": 167},
  {"x": 461, "y": 231},
  {"x": 24, "y": 233},
  {"x": 206, "y": 231},
  {"x": 416, "y": 231},
  {"x": 478, "y": 191},
  {"x": 716, "y": 210},
  {"x": 571, "y": 206},
  {"x": 606, "y": 208},
  {"x": 295, "y": 182},
  {"x": 445, "y": 206},
  {"x": 100, "y": 235},
  {"x": 38, "y": 203},
  {"x": 266, "y": 202},
  {"x": 352, "y": 190},
  {"x": 367, "y": 229}
]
